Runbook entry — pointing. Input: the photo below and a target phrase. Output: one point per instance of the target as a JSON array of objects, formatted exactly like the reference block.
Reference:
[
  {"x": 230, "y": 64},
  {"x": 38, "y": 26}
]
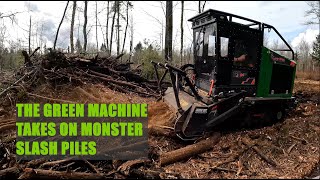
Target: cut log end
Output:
[{"x": 189, "y": 151}]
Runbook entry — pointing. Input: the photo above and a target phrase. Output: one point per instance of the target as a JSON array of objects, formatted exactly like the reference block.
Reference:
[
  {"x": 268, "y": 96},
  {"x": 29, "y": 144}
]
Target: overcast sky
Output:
[{"x": 147, "y": 16}]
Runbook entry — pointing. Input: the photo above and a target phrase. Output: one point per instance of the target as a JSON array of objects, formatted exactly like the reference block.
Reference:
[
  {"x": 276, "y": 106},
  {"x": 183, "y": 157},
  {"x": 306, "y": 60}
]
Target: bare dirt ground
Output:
[{"x": 292, "y": 144}]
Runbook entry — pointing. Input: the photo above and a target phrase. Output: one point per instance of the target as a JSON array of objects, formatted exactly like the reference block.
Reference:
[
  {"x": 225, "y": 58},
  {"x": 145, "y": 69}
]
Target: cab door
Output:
[{"x": 205, "y": 55}]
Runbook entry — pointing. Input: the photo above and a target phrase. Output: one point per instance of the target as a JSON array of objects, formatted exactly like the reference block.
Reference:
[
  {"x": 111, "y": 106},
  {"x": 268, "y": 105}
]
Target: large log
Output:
[
  {"x": 189, "y": 151},
  {"x": 119, "y": 82},
  {"x": 35, "y": 163},
  {"x": 12, "y": 171},
  {"x": 138, "y": 90}
]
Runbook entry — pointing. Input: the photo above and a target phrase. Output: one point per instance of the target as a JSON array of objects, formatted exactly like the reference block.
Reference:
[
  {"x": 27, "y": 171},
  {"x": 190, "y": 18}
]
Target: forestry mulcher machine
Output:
[{"x": 233, "y": 75}]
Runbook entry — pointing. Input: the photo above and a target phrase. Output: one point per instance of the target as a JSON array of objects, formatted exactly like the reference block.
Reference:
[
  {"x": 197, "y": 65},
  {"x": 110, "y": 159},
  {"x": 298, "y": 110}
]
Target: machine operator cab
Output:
[{"x": 226, "y": 54}]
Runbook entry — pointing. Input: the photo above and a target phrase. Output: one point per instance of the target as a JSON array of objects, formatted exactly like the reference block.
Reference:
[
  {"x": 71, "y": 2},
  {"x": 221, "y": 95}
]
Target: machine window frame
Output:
[
  {"x": 212, "y": 45},
  {"x": 224, "y": 46},
  {"x": 206, "y": 41}
]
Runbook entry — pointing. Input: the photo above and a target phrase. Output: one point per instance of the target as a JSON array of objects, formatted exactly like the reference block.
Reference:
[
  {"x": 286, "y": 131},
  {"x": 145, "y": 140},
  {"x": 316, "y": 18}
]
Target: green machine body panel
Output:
[{"x": 276, "y": 76}]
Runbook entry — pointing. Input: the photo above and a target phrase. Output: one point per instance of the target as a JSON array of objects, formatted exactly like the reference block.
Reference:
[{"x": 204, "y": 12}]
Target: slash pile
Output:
[{"x": 58, "y": 69}]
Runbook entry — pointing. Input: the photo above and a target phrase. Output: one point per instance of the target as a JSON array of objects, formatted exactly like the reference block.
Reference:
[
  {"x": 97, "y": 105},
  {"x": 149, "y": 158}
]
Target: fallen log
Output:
[
  {"x": 9, "y": 172},
  {"x": 119, "y": 56},
  {"x": 123, "y": 83},
  {"x": 120, "y": 88},
  {"x": 8, "y": 123},
  {"x": 7, "y": 127},
  {"x": 35, "y": 163},
  {"x": 189, "y": 151},
  {"x": 41, "y": 173},
  {"x": 99, "y": 74},
  {"x": 52, "y": 163},
  {"x": 66, "y": 166},
  {"x": 133, "y": 77},
  {"x": 6, "y": 120}
]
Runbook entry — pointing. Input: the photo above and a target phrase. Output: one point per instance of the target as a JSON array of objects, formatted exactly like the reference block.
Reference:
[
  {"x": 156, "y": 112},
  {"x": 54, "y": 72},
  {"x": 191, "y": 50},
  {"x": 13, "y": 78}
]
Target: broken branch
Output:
[{"x": 259, "y": 152}]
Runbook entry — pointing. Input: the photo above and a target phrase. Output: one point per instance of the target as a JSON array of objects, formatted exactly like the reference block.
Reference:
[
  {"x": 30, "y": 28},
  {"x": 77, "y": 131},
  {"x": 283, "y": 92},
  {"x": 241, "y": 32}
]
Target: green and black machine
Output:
[{"x": 233, "y": 75}]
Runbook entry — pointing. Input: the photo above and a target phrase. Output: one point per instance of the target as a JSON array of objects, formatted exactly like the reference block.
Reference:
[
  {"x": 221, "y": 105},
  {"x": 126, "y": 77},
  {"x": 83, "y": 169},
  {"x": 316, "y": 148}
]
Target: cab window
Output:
[{"x": 245, "y": 52}]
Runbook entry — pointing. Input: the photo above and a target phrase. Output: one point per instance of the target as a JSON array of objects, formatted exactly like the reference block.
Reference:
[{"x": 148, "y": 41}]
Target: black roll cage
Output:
[{"x": 199, "y": 20}]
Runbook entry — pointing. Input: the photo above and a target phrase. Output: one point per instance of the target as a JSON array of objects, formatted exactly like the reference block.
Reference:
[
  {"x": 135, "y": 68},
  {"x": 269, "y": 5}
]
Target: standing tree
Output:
[
  {"x": 112, "y": 26},
  {"x": 64, "y": 13},
  {"x": 107, "y": 27},
  {"x": 316, "y": 50},
  {"x": 118, "y": 28},
  {"x": 181, "y": 27},
  {"x": 72, "y": 25},
  {"x": 199, "y": 6},
  {"x": 97, "y": 26},
  {"x": 29, "y": 45},
  {"x": 131, "y": 41},
  {"x": 127, "y": 19},
  {"x": 303, "y": 54},
  {"x": 3, "y": 31},
  {"x": 168, "y": 38},
  {"x": 85, "y": 26}
]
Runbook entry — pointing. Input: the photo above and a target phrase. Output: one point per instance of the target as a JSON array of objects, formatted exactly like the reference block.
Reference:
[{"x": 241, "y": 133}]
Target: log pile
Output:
[{"x": 59, "y": 69}]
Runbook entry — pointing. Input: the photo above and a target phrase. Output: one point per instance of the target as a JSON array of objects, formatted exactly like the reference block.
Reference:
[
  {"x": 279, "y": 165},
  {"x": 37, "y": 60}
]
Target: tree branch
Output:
[
  {"x": 64, "y": 13},
  {"x": 9, "y": 15}
]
